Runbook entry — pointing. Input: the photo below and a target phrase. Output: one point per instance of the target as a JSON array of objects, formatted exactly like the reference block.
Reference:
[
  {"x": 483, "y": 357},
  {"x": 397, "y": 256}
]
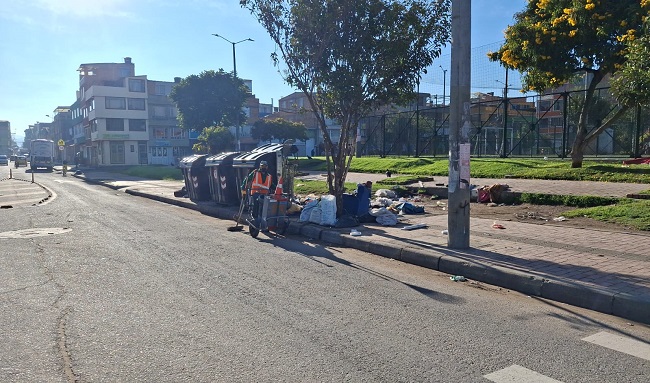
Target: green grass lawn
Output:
[
  {"x": 498, "y": 168},
  {"x": 153, "y": 172},
  {"x": 633, "y": 213}
]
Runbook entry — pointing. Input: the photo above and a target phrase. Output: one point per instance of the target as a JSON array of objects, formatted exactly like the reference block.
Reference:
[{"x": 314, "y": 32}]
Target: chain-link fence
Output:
[{"x": 535, "y": 126}]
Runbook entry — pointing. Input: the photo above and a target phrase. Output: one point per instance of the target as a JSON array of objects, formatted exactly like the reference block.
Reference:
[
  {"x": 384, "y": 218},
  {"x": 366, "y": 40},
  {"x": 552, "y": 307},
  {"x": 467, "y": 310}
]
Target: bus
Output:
[{"x": 41, "y": 154}]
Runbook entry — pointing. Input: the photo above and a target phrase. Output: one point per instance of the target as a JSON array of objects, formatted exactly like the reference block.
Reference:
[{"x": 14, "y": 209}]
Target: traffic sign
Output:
[
  {"x": 61, "y": 143},
  {"x": 60, "y": 147}
]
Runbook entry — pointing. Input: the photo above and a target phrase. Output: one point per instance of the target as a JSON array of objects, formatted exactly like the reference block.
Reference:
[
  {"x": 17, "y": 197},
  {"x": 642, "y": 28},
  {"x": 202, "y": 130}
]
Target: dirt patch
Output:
[{"x": 535, "y": 214}]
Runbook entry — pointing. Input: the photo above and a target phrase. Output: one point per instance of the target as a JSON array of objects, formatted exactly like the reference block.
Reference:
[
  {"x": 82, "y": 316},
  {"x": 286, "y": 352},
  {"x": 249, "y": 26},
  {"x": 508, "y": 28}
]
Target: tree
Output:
[
  {"x": 214, "y": 140},
  {"x": 349, "y": 57},
  {"x": 552, "y": 41},
  {"x": 631, "y": 86},
  {"x": 279, "y": 129},
  {"x": 209, "y": 99}
]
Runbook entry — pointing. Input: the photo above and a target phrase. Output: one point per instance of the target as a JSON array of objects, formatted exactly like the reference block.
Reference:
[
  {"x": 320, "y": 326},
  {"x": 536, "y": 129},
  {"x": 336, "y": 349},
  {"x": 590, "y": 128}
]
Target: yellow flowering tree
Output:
[
  {"x": 631, "y": 86},
  {"x": 553, "y": 41}
]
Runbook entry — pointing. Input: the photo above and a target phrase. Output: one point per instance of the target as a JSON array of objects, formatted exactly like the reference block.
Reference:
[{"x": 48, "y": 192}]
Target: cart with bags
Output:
[{"x": 267, "y": 213}]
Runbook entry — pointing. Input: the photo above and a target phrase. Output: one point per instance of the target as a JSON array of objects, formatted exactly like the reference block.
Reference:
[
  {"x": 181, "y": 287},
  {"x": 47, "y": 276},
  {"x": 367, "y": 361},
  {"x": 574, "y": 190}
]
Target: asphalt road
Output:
[{"x": 100, "y": 286}]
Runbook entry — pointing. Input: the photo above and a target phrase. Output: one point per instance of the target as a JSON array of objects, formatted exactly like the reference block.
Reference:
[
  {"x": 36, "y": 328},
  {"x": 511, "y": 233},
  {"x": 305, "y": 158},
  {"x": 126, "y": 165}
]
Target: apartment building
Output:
[
  {"x": 168, "y": 143},
  {"x": 295, "y": 107},
  {"x": 122, "y": 119}
]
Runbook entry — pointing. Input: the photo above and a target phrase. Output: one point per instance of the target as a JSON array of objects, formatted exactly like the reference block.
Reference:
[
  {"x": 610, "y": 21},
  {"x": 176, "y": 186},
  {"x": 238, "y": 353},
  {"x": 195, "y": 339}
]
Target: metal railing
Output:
[{"x": 534, "y": 126}]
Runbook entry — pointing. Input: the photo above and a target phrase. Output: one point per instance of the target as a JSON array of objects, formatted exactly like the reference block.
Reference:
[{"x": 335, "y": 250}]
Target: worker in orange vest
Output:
[{"x": 259, "y": 182}]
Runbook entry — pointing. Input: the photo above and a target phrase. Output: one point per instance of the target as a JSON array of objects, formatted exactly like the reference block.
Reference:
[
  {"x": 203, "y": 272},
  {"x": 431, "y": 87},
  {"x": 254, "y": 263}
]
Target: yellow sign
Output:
[{"x": 61, "y": 143}]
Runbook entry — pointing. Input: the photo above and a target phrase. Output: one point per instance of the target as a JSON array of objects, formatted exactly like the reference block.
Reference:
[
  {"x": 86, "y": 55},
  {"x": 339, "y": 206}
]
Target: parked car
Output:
[
  {"x": 13, "y": 157},
  {"x": 4, "y": 160},
  {"x": 21, "y": 161}
]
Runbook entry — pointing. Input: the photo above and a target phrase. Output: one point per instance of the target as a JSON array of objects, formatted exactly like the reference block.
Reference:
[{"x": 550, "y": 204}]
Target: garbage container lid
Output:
[
  {"x": 220, "y": 158},
  {"x": 249, "y": 159},
  {"x": 193, "y": 160}
]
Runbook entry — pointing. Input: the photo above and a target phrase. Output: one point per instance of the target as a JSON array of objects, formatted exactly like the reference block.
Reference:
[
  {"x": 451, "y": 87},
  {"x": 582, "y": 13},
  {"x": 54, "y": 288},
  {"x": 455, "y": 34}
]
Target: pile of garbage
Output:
[{"x": 386, "y": 208}]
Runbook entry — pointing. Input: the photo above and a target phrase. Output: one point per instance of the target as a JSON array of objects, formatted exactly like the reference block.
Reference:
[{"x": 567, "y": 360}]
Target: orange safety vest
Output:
[{"x": 259, "y": 186}]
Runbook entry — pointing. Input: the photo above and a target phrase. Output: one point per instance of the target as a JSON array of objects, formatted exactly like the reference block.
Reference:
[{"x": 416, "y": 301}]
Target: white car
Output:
[{"x": 4, "y": 160}]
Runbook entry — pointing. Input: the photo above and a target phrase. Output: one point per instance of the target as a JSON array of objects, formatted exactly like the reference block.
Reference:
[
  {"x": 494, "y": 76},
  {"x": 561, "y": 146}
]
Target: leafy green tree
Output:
[
  {"x": 631, "y": 86},
  {"x": 552, "y": 41},
  {"x": 349, "y": 57},
  {"x": 279, "y": 129},
  {"x": 214, "y": 140},
  {"x": 212, "y": 98}
]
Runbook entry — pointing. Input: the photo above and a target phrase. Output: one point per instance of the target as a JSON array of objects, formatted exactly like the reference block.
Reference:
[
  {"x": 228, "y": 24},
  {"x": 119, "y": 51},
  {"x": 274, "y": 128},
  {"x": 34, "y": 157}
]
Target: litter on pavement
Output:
[{"x": 416, "y": 226}]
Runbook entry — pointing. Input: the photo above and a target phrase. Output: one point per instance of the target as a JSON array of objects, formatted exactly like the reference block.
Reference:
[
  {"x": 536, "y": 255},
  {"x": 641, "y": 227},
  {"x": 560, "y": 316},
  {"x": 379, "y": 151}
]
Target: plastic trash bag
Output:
[
  {"x": 387, "y": 219},
  {"x": 385, "y": 193},
  {"x": 379, "y": 211},
  {"x": 315, "y": 215},
  {"x": 409, "y": 208},
  {"x": 328, "y": 210},
  {"x": 306, "y": 211}
]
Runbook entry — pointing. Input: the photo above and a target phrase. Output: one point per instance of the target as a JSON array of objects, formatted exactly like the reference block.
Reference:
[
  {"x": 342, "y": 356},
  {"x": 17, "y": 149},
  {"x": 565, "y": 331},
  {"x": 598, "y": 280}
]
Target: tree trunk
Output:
[{"x": 577, "y": 150}]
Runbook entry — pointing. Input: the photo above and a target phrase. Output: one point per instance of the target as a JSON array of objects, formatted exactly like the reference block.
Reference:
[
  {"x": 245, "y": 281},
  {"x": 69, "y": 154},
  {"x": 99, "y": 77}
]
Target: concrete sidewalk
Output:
[{"x": 603, "y": 271}]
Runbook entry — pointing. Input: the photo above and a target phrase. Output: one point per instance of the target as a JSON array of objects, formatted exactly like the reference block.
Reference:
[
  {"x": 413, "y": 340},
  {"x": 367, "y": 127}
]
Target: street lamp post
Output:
[
  {"x": 234, "y": 71},
  {"x": 444, "y": 84}
]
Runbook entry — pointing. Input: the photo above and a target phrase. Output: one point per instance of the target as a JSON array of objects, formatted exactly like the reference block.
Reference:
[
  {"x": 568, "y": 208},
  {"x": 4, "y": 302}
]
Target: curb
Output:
[{"x": 621, "y": 305}]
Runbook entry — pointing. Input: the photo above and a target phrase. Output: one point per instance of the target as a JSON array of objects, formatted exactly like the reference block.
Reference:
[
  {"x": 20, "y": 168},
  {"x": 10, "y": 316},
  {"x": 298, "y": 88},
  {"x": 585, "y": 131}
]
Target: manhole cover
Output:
[{"x": 35, "y": 232}]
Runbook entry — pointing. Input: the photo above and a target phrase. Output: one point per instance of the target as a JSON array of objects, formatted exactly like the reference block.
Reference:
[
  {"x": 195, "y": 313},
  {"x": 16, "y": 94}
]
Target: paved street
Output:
[
  {"x": 603, "y": 271},
  {"x": 100, "y": 285}
]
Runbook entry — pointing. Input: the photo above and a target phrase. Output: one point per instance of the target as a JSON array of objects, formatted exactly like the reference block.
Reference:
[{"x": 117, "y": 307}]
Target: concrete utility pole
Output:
[{"x": 459, "y": 125}]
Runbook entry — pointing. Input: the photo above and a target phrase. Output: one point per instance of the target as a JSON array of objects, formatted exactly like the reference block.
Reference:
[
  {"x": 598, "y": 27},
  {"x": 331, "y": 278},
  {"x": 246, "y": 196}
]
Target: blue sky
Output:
[{"x": 44, "y": 42}]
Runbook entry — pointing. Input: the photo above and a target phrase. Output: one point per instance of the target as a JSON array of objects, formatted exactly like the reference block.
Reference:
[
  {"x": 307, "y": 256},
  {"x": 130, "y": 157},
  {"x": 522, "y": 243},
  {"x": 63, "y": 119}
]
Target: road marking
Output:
[
  {"x": 621, "y": 344},
  {"x": 517, "y": 373}
]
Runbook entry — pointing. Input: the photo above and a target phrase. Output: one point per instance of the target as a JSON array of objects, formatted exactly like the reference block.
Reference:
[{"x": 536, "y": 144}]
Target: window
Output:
[
  {"x": 93, "y": 125},
  {"x": 544, "y": 105},
  {"x": 136, "y": 85},
  {"x": 159, "y": 151},
  {"x": 114, "y": 124},
  {"x": 136, "y": 103},
  {"x": 137, "y": 125},
  {"x": 558, "y": 105},
  {"x": 178, "y": 133},
  {"x": 163, "y": 89},
  {"x": 117, "y": 152},
  {"x": 161, "y": 112},
  {"x": 159, "y": 133},
  {"x": 181, "y": 151},
  {"x": 115, "y": 103}
]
